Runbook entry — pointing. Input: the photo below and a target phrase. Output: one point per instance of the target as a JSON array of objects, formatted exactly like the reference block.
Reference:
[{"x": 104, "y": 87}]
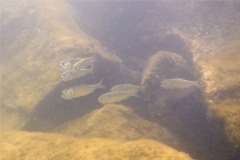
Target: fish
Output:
[
  {"x": 76, "y": 63},
  {"x": 114, "y": 97},
  {"x": 126, "y": 88},
  {"x": 74, "y": 74},
  {"x": 178, "y": 83},
  {"x": 80, "y": 90},
  {"x": 84, "y": 63},
  {"x": 68, "y": 64}
]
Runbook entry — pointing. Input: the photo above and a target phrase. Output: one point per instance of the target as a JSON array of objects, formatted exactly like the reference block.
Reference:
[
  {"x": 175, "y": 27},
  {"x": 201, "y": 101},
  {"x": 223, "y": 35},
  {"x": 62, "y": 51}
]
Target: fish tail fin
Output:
[
  {"x": 141, "y": 89},
  {"x": 91, "y": 69},
  {"x": 196, "y": 83},
  {"x": 100, "y": 84},
  {"x": 94, "y": 57},
  {"x": 135, "y": 95},
  {"x": 200, "y": 84}
]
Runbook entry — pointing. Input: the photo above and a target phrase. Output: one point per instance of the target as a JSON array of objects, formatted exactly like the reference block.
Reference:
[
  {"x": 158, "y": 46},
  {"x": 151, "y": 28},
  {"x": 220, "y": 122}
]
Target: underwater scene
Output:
[{"x": 120, "y": 80}]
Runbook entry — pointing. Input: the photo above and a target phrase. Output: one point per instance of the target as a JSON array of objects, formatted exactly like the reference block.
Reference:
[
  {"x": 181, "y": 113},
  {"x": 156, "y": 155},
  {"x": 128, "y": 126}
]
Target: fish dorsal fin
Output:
[{"x": 100, "y": 84}]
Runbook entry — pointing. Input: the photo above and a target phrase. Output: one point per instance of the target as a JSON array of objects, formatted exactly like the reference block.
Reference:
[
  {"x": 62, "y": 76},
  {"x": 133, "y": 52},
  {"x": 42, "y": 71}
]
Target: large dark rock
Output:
[
  {"x": 181, "y": 111},
  {"x": 163, "y": 65}
]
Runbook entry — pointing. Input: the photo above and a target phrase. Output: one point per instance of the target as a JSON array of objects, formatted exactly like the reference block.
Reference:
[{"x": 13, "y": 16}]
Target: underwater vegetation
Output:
[{"x": 132, "y": 80}]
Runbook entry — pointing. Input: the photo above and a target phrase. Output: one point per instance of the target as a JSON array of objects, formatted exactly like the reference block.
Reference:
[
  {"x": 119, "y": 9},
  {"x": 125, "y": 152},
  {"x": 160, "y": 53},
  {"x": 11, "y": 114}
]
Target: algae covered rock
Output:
[
  {"x": 217, "y": 56},
  {"x": 160, "y": 66},
  {"x": 181, "y": 111},
  {"x": 164, "y": 64},
  {"x": 221, "y": 74},
  {"x": 23, "y": 145},
  {"x": 37, "y": 36},
  {"x": 116, "y": 122},
  {"x": 33, "y": 66}
]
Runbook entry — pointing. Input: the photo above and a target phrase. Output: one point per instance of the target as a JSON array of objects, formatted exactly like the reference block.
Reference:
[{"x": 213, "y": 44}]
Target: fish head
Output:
[
  {"x": 67, "y": 94},
  {"x": 103, "y": 99},
  {"x": 167, "y": 84},
  {"x": 64, "y": 65},
  {"x": 65, "y": 76}
]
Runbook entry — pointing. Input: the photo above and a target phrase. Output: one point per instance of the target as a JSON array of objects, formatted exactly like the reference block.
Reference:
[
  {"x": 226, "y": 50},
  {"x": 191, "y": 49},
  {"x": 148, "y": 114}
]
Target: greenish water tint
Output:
[{"x": 170, "y": 72}]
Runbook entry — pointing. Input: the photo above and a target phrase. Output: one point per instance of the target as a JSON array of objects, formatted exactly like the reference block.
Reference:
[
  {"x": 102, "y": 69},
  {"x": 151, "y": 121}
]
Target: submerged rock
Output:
[
  {"x": 39, "y": 42},
  {"x": 116, "y": 122},
  {"x": 221, "y": 74},
  {"x": 160, "y": 66},
  {"x": 184, "y": 111},
  {"x": 22, "y": 145}
]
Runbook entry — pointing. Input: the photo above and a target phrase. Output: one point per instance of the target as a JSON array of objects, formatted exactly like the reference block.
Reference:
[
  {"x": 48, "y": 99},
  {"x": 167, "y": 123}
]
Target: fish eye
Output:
[{"x": 66, "y": 91}]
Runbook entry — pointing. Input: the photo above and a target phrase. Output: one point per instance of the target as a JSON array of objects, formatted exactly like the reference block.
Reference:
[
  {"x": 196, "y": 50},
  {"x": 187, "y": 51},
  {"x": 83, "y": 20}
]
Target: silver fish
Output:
[
  {"x": 74, "y": 74},
  {"x": 178, "y": 83},
  {"x": 126, "y": 88},
  {"x": 76, "y": 63},
  {"x": 80, "y": 91},
  {"x": 67, "y": 64},
  {"x": 84, "y": 63},
  {"x": 114, "y": 97}
]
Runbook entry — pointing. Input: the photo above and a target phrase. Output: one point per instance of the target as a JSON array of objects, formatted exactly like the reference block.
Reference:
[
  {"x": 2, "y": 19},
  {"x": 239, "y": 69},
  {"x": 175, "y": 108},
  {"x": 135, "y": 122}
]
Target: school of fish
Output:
[
  {"x": 79, "y": 67},
  {"x": 76, "y": 68}
]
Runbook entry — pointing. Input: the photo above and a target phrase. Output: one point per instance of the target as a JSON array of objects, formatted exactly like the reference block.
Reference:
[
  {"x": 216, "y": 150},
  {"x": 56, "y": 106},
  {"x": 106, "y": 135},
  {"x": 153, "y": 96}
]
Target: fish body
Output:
[
  {"x": 178, "y": 83},
  {"x": 114, "y": 97},
  {"x": 126, "y": 88},
  {"x": 80, "y": 90},
  {"x": 74, "y": 74},
  {"x": 84, "y": 63}
]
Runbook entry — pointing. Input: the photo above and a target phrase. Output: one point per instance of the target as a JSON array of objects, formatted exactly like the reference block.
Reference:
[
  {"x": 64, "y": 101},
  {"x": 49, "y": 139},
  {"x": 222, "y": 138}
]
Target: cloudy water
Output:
[{"x": 120, "y": 80}]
